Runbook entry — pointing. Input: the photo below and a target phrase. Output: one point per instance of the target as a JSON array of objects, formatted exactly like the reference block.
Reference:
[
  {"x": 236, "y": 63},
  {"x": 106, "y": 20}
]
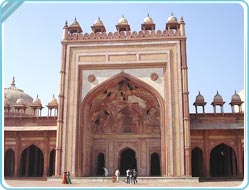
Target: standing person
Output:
[
  {"x": 130, "y": 176},
  {"x": 117, "y": 174},
  {"x": 127, "y": 175},
  {"x": 105, "y": 172},
  {"x": 134, "y": 175},
  {"x": 64, "y": 178},
  {"x": 68, "y": 178}
]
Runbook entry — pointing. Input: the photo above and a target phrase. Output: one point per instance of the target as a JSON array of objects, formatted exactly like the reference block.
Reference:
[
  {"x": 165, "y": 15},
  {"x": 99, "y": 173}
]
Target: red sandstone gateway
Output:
[{"x": 123, "y": 103}]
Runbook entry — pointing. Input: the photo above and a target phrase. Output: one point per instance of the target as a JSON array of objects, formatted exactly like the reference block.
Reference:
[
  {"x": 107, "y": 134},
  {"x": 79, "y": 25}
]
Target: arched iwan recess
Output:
[{"x": 121, "y": 105}]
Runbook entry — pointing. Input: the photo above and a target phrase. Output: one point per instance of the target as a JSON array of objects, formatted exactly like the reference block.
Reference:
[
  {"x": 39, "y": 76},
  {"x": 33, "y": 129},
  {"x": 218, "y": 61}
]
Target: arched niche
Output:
[
  {"x": 197, "y": 162},
  {"x": 32, "y": 162},
  {"x": 223, "y": 161},
  {"x": 9, "y": 163}
]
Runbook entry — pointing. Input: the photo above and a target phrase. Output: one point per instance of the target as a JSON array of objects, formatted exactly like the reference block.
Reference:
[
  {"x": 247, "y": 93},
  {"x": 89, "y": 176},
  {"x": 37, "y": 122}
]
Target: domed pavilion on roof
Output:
[{"x": 123, "y": 103}]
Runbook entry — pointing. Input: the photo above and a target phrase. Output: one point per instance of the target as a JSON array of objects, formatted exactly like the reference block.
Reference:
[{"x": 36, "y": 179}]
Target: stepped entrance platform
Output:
[{"x": 141, "y": 179}]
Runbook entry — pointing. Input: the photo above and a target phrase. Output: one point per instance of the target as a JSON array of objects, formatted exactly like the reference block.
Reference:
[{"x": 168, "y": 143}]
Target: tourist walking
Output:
[
  {"x": 68, "y": 178},
  {"x": 117, "y": 174},
  {"x": 64, "y": 178},
  {"x": 105, "y": 172}
]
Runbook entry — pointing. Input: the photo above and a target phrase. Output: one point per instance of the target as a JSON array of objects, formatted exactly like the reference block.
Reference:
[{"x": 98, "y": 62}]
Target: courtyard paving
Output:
[{"x": 12, "y": 183}]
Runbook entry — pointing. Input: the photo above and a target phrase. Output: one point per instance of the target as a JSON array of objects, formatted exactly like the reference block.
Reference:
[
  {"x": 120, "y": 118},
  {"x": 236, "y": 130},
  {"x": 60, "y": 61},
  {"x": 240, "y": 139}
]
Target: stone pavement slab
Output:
[{"x": 78, "y": 183}]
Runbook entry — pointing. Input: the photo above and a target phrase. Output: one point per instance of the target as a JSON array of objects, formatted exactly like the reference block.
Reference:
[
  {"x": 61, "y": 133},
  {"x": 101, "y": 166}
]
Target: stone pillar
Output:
[
  {"x": 58, "y": 160},
  {"x": 27, "y": 163},
  {"x": 164, "y": 144},
  {"x": 35, "y": 171},
  {"x": 46, "y": 156},
  {"x": 186, "y": 119},
  {"x": 239, "y": 156},
  {"x": 206, "y": 154},
  {"x": 17, "y": 155},
  {"x": 109, "y": 158}
]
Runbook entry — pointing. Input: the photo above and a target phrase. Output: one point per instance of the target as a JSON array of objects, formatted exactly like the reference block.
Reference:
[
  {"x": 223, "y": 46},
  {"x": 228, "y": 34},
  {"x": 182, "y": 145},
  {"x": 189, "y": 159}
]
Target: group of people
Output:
[
  {"x": 66, "y": 178},
  {"x": 131, "y": 175}
]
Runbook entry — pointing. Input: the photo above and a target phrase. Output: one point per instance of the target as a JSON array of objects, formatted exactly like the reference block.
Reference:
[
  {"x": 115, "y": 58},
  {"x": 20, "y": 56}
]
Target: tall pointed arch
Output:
[{"x": 122, "y": 104}]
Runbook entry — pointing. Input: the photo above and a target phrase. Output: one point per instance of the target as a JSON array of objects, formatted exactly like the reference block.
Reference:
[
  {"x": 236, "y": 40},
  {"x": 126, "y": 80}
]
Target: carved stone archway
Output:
[{"x": 122, "y": 107}]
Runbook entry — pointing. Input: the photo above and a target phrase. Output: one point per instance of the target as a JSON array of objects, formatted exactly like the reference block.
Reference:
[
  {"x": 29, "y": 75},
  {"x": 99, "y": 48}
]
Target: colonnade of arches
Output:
[
  {"x": 128, "y": 160},
  {"x": 222, "y": 162},
  {"x": 31, "y": 163}
]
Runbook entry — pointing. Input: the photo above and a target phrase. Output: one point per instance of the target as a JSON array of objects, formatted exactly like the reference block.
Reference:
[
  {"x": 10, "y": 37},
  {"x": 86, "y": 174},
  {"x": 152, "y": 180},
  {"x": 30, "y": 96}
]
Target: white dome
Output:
[
  {"x": 20, "y": 101},
  {"x": 148, "y": 19},
  {"x": 98, "y": 22},
  {"x": 37, "y": 101},
  {"x": 172, "y": 18},
  {"x": 123, "y": 21},
  {"x": 53, "y": 101},
  {"x": 14, "y": 95}
]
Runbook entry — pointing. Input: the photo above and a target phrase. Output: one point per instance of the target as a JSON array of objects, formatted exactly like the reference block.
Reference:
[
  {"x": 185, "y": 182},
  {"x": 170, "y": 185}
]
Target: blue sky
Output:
[{"x": 215, "y": 42}]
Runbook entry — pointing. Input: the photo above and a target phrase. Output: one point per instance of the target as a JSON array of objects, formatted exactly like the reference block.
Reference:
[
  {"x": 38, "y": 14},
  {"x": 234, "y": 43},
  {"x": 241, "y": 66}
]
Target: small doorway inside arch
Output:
[
  {"x": 155, "y": 165},
  {"x": 100, "y": 164},
  {"x": 197, "y": 162},
  {"x": 51, "y": 169},
  {"x": 127, "y": 160}
]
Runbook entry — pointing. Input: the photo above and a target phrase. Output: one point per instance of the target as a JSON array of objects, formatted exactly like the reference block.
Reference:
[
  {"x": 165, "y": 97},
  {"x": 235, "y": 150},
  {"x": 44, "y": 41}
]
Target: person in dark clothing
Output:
[
  {"x": 134, "y": 176},
  {"x": 68, "y": 178}
]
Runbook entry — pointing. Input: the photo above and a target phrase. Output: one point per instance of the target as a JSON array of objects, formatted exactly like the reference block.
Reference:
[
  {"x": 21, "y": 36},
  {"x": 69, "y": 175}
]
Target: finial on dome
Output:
[
  {"x": 65, "y": 26},
  {"x": 75, "y": 22},
  {"x": 172, "y": 14},
  {"x": 13, "y": 82}
]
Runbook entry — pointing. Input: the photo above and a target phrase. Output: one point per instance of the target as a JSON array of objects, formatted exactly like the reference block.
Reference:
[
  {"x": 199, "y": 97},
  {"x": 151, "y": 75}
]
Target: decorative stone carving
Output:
[
  {"x": 91, "y": 78},
  {"x": 154, "y": 76},
  {"x": 124, "y": 107},
  {"x": 123, "y": 35}
]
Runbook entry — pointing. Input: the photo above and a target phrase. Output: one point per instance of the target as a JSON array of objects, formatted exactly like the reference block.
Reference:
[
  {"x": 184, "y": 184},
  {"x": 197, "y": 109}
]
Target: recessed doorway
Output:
[{"x": 127, "y": 160}]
